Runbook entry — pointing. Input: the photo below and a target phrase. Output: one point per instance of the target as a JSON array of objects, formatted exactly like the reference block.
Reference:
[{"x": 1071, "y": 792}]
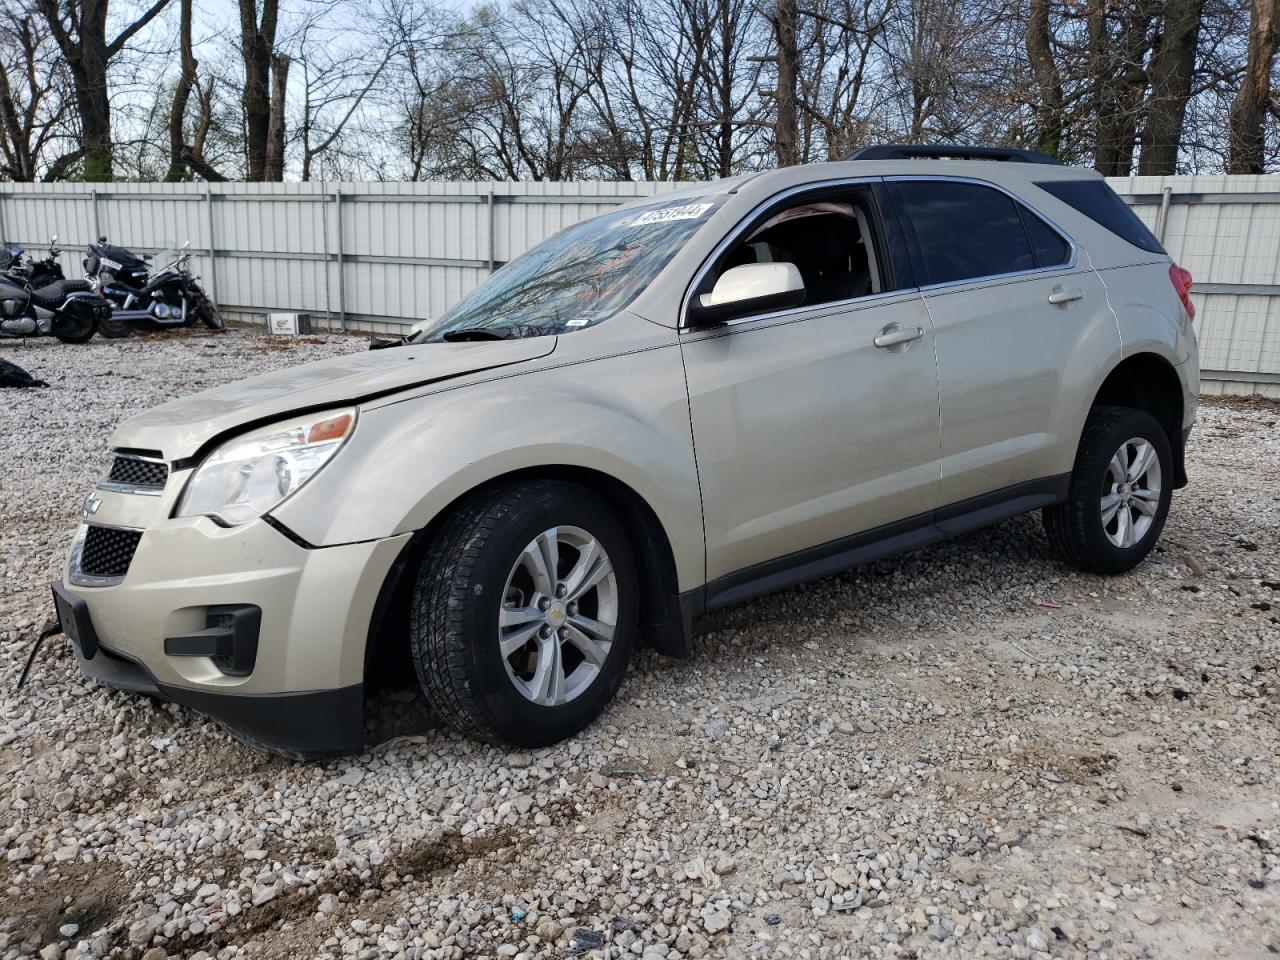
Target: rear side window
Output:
[
  {"x": 1099, "y": 203},
  {"x": 964, "y": 230}
]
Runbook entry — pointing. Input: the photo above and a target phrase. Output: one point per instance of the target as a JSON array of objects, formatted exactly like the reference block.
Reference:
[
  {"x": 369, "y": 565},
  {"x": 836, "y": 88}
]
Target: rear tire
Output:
[
  {"x": 1119, "y": 494},
  {"x": 488, "y": 632},
  {"x": 114, "y": 329},
  {"x": 74, "y": 330}
]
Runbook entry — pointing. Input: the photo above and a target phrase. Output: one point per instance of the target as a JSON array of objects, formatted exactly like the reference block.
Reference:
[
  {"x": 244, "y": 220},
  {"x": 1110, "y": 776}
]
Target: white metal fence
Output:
[{"x": 381, "y": 255}]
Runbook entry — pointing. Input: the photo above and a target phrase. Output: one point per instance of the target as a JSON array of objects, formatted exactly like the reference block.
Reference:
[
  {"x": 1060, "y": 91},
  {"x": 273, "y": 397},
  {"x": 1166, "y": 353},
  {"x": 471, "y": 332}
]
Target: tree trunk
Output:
[
  {"x": 274, "y": 169},
  {"x": 181, "y": 94},
  {"x": 84, "y": 46},
  {"x": 20, "y": 164},
  {"x": 257, "y": 42},
  {"x": 1170, "y": 73},
  {"x": 785, "y": 128},
  {"x": 1048, "y": 79},
  {"x": 1124, "y": 78},
  {"x": 1245, "y": 153}
]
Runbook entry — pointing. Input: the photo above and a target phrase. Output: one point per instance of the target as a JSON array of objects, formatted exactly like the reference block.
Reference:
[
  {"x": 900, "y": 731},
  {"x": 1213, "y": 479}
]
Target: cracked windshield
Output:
[{"x": 579, "y": 277}]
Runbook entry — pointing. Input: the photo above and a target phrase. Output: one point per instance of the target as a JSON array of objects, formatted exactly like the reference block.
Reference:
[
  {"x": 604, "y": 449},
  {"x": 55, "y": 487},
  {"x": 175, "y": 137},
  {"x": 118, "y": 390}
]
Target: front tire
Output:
[
  {"x": 209, "y": 314},
  {"x": 524, "y": 613},
  {"x": 1119, "y": 495}
]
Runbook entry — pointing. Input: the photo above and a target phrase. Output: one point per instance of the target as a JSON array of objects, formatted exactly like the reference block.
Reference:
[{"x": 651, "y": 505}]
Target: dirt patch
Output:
[{"x": 86, "y": 894}]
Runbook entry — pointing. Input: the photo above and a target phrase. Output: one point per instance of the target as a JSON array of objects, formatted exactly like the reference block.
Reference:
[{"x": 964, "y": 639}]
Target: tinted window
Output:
[
  {"x": 964, "y": 230},
  {"x": 1100, "y": 204},
  {"x": 1051, "y": 250}
]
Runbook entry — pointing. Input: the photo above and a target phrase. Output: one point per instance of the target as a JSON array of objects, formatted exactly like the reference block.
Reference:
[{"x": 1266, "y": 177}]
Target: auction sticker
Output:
[{"x": 690, "y": 211}]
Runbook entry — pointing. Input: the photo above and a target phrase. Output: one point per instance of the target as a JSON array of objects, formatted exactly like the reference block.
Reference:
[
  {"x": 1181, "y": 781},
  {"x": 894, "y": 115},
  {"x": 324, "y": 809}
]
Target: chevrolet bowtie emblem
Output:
[{"x": 91, "y": 504}]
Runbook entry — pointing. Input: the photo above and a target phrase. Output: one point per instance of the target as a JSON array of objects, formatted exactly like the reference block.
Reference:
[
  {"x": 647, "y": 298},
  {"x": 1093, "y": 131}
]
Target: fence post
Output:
[
  {"x": 342, "y": 283},
  {"x": 492, "y": 240},
  {"x": 324, "y": 249},
  {"x": 4, "y": 237},
  {"x": 97, "y": 227},
  {"x": 213, "y": 255},
  {"x": 1162, "y": 218}
]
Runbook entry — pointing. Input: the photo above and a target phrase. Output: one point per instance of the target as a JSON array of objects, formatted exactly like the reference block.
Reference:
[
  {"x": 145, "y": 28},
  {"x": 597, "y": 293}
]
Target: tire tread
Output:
[{"x": 1065, "y": 524}]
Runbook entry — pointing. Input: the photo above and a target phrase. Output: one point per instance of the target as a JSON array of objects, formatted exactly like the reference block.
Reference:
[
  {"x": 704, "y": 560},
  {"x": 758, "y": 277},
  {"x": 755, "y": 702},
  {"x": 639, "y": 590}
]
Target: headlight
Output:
[{"x": 251, "y": 474}]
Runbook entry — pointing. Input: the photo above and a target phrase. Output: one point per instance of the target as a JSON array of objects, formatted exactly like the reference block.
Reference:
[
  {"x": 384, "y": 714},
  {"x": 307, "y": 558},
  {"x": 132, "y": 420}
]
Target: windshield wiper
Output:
[{"x": 472, "y": 333}]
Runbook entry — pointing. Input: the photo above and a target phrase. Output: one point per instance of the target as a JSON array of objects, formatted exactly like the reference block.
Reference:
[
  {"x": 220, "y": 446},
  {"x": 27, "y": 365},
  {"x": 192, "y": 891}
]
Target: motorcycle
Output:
[
  {"x": 160, "y": 293},
  {"x": 22, "y": 269},
  {"x": 38, "y": 274},
  {"x": 32, "y": 306}
]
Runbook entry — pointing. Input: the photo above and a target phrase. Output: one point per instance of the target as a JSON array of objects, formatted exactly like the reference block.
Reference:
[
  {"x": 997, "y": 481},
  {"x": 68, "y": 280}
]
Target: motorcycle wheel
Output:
[
  {"x": 209, "y": 314},
  {"x": 74, "y": 329},
  {"x": 114, "y": 329}
]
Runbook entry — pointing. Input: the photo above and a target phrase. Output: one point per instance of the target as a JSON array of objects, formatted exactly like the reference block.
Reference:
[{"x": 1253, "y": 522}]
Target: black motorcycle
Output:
[
  {"x": 18, "y": 267},
  {"x": 149, "y": 293},
  {"x": 33, "y": 305}
]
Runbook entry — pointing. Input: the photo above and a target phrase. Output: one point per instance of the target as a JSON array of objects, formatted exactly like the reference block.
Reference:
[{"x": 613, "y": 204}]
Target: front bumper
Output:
[
  {"x": 302, "y": 692},
  {"x": 316, "y": 723}
]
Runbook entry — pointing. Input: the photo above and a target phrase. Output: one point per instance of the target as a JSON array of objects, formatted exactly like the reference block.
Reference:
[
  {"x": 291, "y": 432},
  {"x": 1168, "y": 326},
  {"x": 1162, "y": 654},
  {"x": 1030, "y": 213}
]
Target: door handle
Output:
[
  {"x": 894, "y": 334},
  {"x": 1063, "y": 295}
]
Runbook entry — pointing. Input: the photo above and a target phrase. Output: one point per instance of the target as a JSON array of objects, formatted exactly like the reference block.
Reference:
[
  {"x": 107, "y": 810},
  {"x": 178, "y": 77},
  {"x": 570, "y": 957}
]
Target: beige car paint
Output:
[
  {"x": 806, "y": 431},
  {"x": 889, "y": 439}
]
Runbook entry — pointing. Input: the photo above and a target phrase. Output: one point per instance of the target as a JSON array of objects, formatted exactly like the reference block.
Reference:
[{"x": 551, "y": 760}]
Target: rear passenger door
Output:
[{"x": 1012, "y": 300}]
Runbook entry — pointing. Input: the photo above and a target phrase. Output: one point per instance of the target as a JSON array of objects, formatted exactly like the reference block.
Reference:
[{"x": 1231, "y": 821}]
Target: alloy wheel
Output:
[
  {"x": 1131, "y": 492},
  {"x": 559, "y": 615}
]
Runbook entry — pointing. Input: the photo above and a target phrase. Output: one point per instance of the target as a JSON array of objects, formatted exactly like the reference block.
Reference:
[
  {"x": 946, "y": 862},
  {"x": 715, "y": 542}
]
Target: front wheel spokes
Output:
[
  {"x": 589, "y": 572},
  {"x": 1146, "y": 501},
  {"x": 591, "y": 637},
  {"x": 541, "y": 558},
  {"x": 1110, "y": 504},
  {"x": 516, "y": 637},
  {"x": 546, "y": 686}
]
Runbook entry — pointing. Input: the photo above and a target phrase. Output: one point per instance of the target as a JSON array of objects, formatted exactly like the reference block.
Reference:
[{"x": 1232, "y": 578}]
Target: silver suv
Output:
[{"x": 675, "y": 406}]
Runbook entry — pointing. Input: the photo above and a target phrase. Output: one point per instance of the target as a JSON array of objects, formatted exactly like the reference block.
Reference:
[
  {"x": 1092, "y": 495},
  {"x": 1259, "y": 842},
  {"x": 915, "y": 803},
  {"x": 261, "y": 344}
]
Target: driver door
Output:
[{"x": 810, "y": 438}]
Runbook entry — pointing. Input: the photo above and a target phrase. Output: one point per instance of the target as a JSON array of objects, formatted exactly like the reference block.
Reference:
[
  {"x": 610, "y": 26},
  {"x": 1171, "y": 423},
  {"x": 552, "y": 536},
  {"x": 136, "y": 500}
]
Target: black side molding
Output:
[{"x": 880, "y": 542}]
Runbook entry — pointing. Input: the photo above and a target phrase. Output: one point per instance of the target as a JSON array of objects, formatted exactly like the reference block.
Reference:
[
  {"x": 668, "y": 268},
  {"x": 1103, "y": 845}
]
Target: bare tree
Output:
[
  {"x": 80, "y": 29},
  {"x": 1039, "y": 39},
  {"x": 34, "y": 106},
  {"x": 1255, "y": 96},
  {"x": 1170, "y": 72},
  {"x": 258, "y": 50}
]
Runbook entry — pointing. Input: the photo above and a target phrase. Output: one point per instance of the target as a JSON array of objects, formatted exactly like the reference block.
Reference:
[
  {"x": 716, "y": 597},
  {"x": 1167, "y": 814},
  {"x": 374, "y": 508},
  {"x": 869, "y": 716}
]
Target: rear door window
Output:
[{"x": 964, "y": 231}]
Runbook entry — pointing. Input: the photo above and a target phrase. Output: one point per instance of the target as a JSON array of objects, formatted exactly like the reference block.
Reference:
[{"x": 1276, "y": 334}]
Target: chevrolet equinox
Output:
[{"x": 677, "y": 405}]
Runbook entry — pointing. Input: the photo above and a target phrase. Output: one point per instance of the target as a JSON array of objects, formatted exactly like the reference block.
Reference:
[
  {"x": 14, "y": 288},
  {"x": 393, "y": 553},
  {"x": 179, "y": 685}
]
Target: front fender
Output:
[{"x": 625, "y": 416}]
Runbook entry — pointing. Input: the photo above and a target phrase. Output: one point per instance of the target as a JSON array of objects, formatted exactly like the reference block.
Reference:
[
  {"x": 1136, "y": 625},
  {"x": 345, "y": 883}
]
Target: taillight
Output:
[{"x": 1180, "y": 277}]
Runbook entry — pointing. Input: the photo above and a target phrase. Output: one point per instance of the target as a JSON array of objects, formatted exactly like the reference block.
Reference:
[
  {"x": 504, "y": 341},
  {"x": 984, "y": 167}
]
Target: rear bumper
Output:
[{"x": 313, "y": 723}]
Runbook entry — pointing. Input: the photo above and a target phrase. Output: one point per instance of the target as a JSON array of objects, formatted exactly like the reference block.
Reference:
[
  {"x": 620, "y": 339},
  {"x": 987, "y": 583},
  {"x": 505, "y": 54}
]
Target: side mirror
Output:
[
  {"x": 53, "y": 241},
  {"x": 750, "y": 288}
]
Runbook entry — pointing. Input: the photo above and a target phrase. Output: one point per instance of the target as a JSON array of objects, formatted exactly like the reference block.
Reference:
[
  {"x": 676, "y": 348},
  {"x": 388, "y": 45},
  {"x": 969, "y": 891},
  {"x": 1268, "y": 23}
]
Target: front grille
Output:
[
  {"x": 107, "y": 551},
  {"x": 138, "y": 473}
]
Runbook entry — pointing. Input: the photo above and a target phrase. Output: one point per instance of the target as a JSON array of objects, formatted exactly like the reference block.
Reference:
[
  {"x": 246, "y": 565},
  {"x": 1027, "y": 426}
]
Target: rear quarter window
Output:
[{"x": 1099, "y": 203}]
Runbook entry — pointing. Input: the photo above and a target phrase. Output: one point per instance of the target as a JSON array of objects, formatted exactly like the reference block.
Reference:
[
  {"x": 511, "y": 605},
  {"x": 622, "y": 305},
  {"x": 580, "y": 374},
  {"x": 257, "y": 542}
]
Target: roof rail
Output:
[{"x": 919, "y": 151}]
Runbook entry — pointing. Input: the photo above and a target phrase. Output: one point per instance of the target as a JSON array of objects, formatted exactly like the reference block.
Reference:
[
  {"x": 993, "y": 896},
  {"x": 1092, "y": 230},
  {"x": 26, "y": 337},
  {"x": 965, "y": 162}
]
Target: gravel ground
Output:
[{"x": 968, "y": 751}]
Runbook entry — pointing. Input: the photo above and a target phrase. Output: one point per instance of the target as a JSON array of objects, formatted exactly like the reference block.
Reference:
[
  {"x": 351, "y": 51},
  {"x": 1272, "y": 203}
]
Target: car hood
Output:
[{"x": 180, "y": 428}]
